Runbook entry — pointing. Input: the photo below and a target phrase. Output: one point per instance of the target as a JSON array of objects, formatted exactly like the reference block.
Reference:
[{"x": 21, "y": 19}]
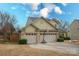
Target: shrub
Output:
[
  {"x": 67, "y": 38},
  {"x": 43, "y": 42},
  {"x": 60, "y": 40},
  {"x": 23, "y": 41},
  {"x": 61, "y": 36}
]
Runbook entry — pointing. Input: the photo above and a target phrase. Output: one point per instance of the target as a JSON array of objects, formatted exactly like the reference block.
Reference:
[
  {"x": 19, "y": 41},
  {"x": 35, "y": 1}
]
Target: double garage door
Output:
[
  {"x": 31, "y": 38},
  {"x": 49, "y": 37}
]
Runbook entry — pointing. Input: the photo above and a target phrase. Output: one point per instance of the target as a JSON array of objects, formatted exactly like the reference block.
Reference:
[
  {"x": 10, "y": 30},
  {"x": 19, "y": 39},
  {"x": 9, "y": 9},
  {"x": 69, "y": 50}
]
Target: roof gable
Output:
[
  {"x": 43, "y": 23},
  {"x": 29, "y": 28}
]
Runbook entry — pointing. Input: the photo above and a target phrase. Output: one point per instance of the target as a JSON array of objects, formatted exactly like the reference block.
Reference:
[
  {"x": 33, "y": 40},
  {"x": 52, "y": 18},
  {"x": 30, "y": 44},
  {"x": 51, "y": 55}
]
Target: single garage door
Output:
[
  {"x": 50, "y": 37},
  {"x": 31, "y": 38}
]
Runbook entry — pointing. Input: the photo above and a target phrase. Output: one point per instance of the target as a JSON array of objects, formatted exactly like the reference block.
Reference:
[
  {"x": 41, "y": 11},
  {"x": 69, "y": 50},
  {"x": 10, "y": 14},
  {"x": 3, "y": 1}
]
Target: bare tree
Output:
[
  {"x": 6, "y": 18},
  {"x": 64, "y": 25}
]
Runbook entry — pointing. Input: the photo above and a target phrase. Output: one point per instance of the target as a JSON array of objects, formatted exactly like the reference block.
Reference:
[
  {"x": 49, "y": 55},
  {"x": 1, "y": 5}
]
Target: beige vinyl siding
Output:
[
  {"x": 53, "y": 23},
  {"x": 29, "y": 29},
  {"x": 41, "y": 24}
]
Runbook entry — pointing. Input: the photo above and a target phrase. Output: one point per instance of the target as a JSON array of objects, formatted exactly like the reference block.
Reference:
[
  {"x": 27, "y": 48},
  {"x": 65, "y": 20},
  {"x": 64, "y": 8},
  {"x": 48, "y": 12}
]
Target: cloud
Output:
[
  {"x": 35, "y": 6},
  {"x": 47, "y": 9},
  {"x": 44, "y": 12},
  {"x": 34, "y": 11},
  {"x": 58, "y": 10},
  {"x": 50, "y": 6}
]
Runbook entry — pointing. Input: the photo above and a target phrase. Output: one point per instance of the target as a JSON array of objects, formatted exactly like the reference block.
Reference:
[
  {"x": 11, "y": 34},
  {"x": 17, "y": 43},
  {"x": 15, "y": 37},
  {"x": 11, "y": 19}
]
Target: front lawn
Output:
[{"x": 25, "y": 50}]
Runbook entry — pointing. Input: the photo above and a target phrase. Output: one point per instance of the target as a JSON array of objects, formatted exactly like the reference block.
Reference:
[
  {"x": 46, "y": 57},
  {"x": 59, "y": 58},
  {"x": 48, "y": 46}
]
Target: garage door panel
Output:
[
  {"x": 50, "y": 38},
  {"x": 31, "y": 38}
]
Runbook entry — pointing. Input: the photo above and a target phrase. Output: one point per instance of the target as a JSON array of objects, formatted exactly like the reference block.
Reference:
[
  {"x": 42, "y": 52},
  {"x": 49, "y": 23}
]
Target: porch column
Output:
[
  {"x": 38, "y": 37},
  {"x": 57, "y": 35}
]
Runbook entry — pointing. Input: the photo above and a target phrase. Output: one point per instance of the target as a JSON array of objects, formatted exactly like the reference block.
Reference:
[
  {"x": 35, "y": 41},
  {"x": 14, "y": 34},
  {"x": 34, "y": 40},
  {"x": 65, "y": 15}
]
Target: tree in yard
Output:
[
  {"x": 6, "y": 18},
  {"x": 7, "y": 23},
  {"x": 64, "y": 26}
]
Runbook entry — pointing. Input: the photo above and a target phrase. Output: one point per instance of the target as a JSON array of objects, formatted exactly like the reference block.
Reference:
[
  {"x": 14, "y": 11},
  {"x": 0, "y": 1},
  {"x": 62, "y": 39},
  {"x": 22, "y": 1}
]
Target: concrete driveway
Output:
[{"x": 58, "y": 46}]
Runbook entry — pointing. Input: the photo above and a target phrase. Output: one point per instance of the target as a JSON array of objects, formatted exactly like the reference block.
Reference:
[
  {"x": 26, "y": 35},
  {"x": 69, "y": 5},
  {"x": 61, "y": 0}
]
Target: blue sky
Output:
[{"x": 62, "y": 11}]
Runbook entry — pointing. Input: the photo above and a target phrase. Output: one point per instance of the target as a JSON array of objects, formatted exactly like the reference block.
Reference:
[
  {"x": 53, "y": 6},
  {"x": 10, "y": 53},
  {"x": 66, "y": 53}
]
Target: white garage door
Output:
[
  {"x": 31, "y": 38},
  {"x": 50, "y": 38}
]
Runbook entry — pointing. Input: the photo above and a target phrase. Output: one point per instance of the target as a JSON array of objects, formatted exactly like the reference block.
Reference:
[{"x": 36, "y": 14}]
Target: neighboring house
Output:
[
  {"x": 39, "y": 30},
  {"x": 74, "y": 30},
  {"x": 8, "y": 28},
  {"x": 8, "y": 33}
]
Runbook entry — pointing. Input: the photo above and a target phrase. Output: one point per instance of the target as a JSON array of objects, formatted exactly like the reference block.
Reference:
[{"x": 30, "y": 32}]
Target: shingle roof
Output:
[{"x": 31, "y": 20}]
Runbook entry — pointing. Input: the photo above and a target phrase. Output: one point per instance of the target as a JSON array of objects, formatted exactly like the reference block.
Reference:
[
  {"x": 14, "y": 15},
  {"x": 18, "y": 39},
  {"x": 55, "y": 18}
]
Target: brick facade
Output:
[{"x": 8, "y": 33}]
